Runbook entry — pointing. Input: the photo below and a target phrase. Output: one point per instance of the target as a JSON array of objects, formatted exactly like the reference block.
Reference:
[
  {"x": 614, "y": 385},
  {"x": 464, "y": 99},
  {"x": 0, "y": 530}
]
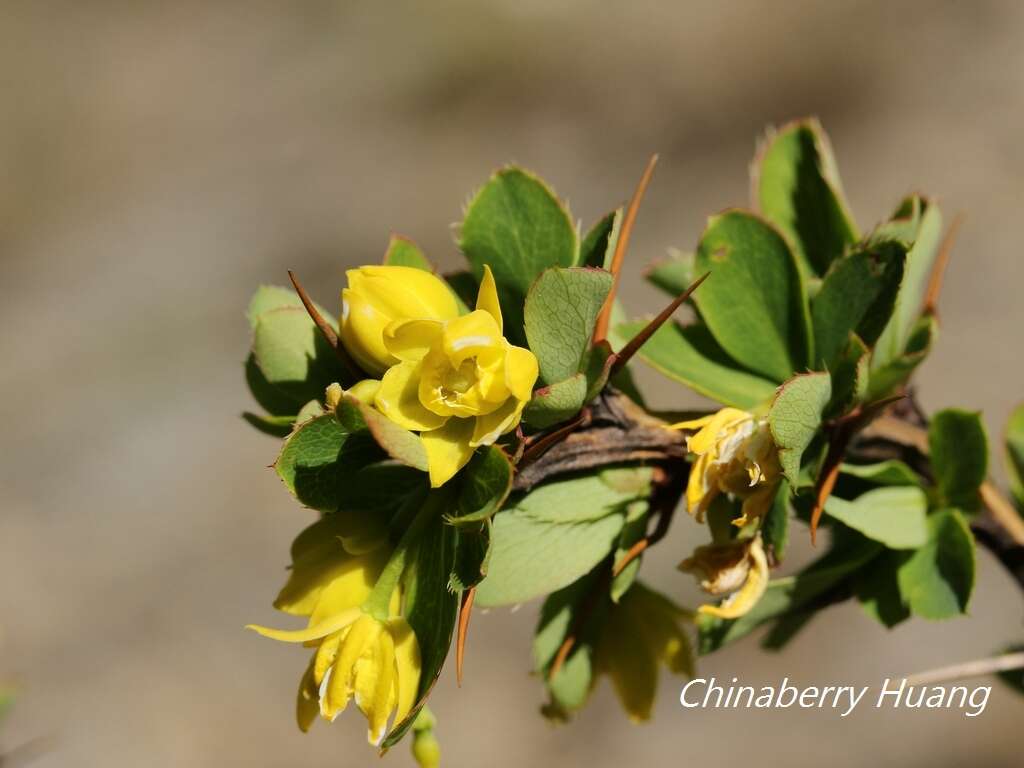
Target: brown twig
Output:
[
  {"x": 634, "y": 344},
  {"x": 536, "y": 449},
  {"x": 843, "y": 430},
  {"x": 325, "y": 328},
  {"x": 465, "y": 611},
  {"x": 603, "y": 319}
]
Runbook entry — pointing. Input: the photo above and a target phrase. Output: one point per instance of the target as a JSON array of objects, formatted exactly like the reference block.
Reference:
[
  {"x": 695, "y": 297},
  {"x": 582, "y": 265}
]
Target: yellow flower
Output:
[
  {"x": 735, "y": 455},
  {"x": 642, "y": 631},
  {"x": 377, "y": 295},
  {"x": 459, "y": 382},
  {"x": 357, "y": 655},
  {"x": 739, "y": 567}
]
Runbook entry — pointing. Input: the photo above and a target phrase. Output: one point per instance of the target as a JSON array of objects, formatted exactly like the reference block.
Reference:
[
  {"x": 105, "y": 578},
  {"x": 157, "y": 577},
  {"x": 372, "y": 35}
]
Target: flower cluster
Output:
[
  {"x": 357, "y": 655},
  {"x": 735, "y": 456},
  {"x": 454, "y": 379}
]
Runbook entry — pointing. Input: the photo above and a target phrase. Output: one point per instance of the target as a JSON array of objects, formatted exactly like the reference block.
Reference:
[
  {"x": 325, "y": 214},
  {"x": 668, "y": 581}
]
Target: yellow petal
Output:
[
  {"x": 314, "y": 632},
  {"x": 338, "y": 686},
  {"x": 364, "y": 391},
  {"x": 757, "y": 504},
  {"x": 739, "y": 603},
  {"x": 410, "y": 340},
  {"x": 350, "y": 587},
  {"x": 487, "y": 297},
  {"x": 470, "y": 335},
  {"x": 375, "y": 688},
  {"x": 398, "y": 398},
  {"x": 520, "y": 371},
  {"x": 408, "y": 666},
  {"x": 407, "y": 291},
  {"x": 705, "y": 440},
  {"x": 362, "y": 332},
  {"x": 326, "y": 653},
  {"x": 306, "y": 705},
  {"x": 701, "y": 488},
  {"x": 489, "y": 428},
  {"x": 448, "y": 449}
]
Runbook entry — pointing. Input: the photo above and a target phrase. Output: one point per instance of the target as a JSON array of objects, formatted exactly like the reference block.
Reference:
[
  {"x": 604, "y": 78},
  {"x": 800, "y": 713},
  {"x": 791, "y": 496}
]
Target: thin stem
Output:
[
  {"x": 325, "y": 328},
  {"x": 465, "y": 612},
  {"x": 1005, "y": 663},
  {"x": 379, "y": 602},
  {"x": 641, "y": 338},
  {"x": 603, "y": 319}
]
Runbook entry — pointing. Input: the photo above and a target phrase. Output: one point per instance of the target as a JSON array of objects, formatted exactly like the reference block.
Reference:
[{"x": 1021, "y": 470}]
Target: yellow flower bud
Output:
[
  {"x": 735, "y": 455},
  {"x": 459, "y": 382},
  {"x": 378, "y": 295}
]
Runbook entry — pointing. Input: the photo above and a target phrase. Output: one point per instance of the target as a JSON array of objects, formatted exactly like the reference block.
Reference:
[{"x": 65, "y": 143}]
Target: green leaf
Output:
[
  {"x": 922, "y": 222},
  {"x": 320, "y": 458},
  {"x": 275, "y": 426},
  {"x": 775, "y": 529},
  {"x": 887, "y": 378},
  {"x": 888, "y": 472},
  {"x": 754, "y": 302},
  {"x": 561, "y": 613},
  {"x": 634, "y": 529},
  {"x": 1015, "y": 453},
  {"x": 894, "y": 516},
  {"x": 472, "y": 553},
  {"x": 691, "y": 356},
  {"x": 959, "y": 455},
  {"x": 878, "y": 591},
  {"x": 292, "y": 354},
  {"x": 795, "y": 418},
  {"x": 403, "y": 252},
  {"x": 268, "y": 297},
  {"x": 787, "y": 595},
  {"x": 484, "y": 485},
  {"x": 586, "y": 497},
  {"x": 568, "y": 525},
  {"x": 561, "y": 309},
  {"x": 850, "y": 377},
  {"x": 556, "y": 403},
  {"x": 598, "y": 246},
  {"x": 798, "y": 189},
  {"x": 937, "y": 580},
  {"x": 400, "y": 444},
  {"x": 674, "y": 274},
  {"x": 516, "y": 225},
  {"x": 857, "y": 295},
  {"x": 430, "y": 607},
  {"x": 271, "y": 399}
]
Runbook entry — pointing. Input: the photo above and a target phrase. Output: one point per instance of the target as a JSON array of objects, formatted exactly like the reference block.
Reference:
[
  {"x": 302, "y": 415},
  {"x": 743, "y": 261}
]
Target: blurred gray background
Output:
[{"x": 159, "y": 160}]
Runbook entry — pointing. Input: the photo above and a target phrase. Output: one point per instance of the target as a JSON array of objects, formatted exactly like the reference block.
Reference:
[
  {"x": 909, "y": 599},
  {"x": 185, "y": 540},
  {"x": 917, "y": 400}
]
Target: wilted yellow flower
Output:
[
  {"x": 735, "y": 455},
  {"x": 739, "y": 567},
  {"x": 642, "y": 631},
  {"x": 459, "y": 382},
  {"x": 357, "y": 655},
  {"x": 378, "y": 295}
]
